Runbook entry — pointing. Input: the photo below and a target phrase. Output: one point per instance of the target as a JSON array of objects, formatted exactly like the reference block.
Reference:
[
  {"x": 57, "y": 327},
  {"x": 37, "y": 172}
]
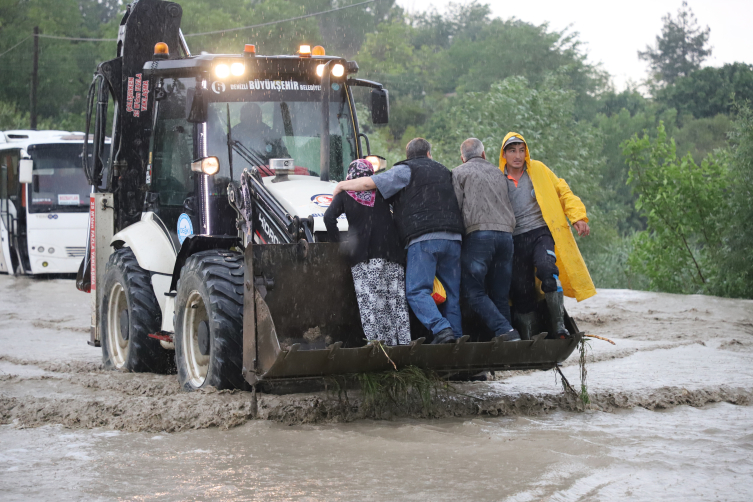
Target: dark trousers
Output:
[
  {"x": 486, "y": 259},
  {"x": 534, "y": 257}
]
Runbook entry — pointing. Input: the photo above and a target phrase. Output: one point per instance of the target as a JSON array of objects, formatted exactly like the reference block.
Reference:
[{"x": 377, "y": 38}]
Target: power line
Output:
[
  {"x": 79, "y": 39},
  {"x": 282, "y": 21},
  {"x": 270, "y": 23},
  {"x": 19, "y": 43}
]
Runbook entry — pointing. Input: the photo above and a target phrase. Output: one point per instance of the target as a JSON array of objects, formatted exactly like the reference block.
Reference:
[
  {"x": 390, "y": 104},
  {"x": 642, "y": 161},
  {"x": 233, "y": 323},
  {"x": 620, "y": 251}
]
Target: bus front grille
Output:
[{"x": 76, "y": 252}]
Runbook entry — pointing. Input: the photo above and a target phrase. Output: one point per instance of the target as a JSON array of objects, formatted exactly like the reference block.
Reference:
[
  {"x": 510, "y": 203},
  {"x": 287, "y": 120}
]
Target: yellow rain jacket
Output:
[{"x": 574, "y": 276}]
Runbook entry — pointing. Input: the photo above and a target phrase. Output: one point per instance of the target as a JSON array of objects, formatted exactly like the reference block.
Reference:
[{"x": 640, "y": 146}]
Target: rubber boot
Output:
[
  {"x": 526, "y": 325},
  {"x": 555, "y": 302}
]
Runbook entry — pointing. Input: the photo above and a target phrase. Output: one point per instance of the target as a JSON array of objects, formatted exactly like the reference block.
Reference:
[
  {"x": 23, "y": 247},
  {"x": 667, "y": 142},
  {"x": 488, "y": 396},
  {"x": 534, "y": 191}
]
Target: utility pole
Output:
[{"x": 34, "y": 80}]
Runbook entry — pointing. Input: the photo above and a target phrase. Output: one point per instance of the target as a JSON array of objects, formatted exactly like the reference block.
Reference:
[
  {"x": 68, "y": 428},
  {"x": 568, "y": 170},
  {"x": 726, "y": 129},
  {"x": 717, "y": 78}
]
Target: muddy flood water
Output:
[{"x": 671, "y": 419}]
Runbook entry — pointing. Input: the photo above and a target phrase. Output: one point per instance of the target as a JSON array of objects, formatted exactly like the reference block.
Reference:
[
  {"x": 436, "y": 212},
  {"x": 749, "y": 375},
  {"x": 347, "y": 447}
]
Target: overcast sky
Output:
[{"x": 613, "y": 32}]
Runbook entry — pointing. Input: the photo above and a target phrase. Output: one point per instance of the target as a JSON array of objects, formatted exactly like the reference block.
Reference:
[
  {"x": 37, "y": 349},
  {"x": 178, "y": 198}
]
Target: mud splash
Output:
[{"x": 78, "y": 398}]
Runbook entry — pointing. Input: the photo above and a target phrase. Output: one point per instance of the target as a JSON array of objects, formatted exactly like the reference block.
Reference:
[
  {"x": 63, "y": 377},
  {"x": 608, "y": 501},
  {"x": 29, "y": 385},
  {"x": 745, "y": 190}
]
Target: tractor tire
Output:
[
  {"x": 130, "y": 312},
  {"x": 209, "y": 321}
]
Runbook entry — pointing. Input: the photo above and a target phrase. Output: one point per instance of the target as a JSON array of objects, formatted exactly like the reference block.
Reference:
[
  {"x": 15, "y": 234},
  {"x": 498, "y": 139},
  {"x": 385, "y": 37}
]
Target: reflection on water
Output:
[{"x": 683, "y": 453}]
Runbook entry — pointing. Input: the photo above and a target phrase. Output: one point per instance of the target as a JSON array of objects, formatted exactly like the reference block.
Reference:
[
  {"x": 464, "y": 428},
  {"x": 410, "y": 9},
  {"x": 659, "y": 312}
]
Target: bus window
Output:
[
  {"x": 59, "y": 183},
  {"x": 9, "y": 159}
]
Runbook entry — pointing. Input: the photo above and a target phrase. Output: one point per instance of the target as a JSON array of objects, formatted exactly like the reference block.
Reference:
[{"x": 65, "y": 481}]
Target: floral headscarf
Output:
[{"x": 358, "y": 169}]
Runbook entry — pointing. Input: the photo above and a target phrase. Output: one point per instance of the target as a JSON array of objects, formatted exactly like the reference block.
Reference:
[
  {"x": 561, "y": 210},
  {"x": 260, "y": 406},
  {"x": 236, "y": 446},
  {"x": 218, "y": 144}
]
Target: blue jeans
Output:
[
  {"x": 426, "y": 259},
  {"x": 487, "y": 266}
]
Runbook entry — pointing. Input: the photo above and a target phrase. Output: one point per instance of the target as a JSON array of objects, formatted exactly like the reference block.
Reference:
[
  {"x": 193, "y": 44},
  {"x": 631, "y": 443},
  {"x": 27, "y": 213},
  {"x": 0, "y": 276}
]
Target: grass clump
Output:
[{"x": 406, "y": 390}]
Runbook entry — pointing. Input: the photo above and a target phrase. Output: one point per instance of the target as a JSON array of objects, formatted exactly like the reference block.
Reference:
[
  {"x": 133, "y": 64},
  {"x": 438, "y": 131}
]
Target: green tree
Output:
[
  {"x": 681, "y": 47},
  {"x": 65, "y": 67},
  {"x": 685, "y": 205},
  {"x": 736, "y": 268},
  {"x": 709, "y": 91}
]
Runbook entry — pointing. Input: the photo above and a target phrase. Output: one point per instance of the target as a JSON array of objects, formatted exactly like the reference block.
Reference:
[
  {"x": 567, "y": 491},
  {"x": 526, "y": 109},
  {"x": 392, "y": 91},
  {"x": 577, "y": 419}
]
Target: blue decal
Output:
[
  {"x": 559, "y": 284},
  {"x": 335, "y": 87},
  {"x": 185, "y": 227}
]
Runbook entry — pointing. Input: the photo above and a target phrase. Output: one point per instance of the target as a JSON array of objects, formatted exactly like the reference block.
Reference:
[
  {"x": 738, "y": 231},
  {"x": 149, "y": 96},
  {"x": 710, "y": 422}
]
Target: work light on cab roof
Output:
[{"x": 338, "y": 70}]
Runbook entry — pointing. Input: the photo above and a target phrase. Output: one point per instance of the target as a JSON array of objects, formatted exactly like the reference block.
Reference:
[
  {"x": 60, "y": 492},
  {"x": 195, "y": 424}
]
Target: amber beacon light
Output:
[
  {"x": 161, "y": 48},
  {"x": 305, "y": 51},
  {"x": 318, "y": 51}
]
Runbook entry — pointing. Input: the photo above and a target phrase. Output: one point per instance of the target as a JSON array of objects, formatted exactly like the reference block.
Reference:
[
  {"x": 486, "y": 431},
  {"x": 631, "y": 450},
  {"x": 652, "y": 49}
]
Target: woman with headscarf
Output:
[{"x": 376, "y": 259}]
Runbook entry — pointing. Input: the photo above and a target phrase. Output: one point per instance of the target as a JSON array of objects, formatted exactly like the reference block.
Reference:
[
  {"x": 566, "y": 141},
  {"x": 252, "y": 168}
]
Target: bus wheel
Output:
[
  {"x": 129, "y": 313},
  {"x": 209, "y": 321}
]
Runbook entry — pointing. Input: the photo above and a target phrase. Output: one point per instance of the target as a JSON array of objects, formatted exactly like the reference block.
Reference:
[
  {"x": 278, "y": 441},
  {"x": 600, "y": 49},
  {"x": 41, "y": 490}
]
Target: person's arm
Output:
[
  {"x": 335, "y": 209},
  {"x": 571, "y": 204},
  {"x": 457, "y": 184},
  {"x": 392, "y": 181},
  {"x": 356, "y": 185}
]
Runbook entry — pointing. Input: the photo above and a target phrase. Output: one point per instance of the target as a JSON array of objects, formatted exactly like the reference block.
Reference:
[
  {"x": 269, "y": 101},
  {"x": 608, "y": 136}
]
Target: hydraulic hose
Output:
[{"x": 85, "y": 153}]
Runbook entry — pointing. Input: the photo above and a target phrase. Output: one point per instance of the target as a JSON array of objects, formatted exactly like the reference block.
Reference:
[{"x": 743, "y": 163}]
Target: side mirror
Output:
[
  {"x": 380, "y": 106},
  {"x": 25, "y": 167},
  {"x": 197, "y": 105}
]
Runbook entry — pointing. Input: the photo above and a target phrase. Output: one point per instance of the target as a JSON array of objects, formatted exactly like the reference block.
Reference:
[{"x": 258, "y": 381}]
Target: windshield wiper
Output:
[
  {"x": 251, "y": 156},
  {"x": 229, "y": 143}
]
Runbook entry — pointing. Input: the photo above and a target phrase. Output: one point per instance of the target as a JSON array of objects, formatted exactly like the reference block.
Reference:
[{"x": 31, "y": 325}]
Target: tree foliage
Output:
[
  {"x": 709, "y": 91},
  {"x": 684, "y": 204},
  {"x": 736, "y": 267},
  {"x": 681, "y": 47}
]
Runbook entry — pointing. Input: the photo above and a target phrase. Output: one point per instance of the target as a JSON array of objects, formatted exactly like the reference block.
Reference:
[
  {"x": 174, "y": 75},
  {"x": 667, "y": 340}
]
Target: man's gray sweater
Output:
[{"x": 481, "y": 190}]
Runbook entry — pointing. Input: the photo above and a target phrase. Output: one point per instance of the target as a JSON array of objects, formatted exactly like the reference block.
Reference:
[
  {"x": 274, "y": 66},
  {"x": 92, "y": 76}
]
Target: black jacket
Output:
[
  {"x": 371, "y": 231},
  {"x": 428, "y": 204}
]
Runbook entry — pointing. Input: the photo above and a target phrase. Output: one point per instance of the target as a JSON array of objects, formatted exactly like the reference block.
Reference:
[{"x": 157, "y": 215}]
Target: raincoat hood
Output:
[{"x": 503, "y": 161}]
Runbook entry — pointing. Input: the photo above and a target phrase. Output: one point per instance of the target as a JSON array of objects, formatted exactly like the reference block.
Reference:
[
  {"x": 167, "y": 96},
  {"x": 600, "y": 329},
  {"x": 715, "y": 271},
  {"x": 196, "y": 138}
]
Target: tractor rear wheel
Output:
[
  {"x": 130, "y": 312},
  {"x": 209, "y": 321}
]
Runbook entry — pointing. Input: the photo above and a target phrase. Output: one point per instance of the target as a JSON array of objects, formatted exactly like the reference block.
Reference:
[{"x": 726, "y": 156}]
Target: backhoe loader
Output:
[{"x": 207, "y": 250}]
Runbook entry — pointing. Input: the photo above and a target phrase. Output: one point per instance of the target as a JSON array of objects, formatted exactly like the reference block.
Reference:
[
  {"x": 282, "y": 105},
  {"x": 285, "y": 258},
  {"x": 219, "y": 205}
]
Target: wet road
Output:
[
  {"x": 680, "y": 454},
  {"x": 74, "y": 432}
]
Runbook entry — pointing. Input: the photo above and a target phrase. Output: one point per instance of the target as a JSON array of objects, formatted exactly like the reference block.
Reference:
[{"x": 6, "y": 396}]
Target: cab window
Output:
[{"x": 172, "y": 152}]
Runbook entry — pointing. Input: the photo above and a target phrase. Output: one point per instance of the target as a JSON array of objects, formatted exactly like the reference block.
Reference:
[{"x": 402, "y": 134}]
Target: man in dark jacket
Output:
[
  {"x": 430, "y": 227},
  {"x": 481, "y": 190}
]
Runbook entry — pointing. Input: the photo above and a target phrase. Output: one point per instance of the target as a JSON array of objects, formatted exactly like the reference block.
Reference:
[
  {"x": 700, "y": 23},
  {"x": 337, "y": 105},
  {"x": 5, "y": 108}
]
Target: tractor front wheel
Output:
[{"x": 209, "y": 321}]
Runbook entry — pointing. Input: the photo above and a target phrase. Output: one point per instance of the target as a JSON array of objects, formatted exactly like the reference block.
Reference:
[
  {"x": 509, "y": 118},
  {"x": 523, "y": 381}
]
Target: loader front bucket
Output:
[{"x": 303, "y": 322}]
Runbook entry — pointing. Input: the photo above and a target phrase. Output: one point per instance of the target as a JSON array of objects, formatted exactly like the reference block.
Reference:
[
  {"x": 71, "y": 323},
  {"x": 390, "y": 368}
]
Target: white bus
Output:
[{"x": 44, "y": 202}]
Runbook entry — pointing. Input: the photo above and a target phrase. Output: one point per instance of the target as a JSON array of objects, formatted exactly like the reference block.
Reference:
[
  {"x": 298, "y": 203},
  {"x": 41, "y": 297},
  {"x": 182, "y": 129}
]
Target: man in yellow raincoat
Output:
[{"x": 544, "y": 244}]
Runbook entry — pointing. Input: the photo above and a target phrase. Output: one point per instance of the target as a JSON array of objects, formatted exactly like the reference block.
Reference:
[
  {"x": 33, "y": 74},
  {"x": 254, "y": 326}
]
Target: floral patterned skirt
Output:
[{"x": 380, "y": 290}]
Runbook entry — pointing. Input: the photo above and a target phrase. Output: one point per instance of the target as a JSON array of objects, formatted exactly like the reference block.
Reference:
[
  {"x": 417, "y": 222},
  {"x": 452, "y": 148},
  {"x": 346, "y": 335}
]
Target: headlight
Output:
[
  {"x": 40, "y": 249},
  {"x": 207, "y": 165},
  {"x": 337, "y": 71},
  {"x": 222, "y": 70},
  {"x": 237, "y": 69},
  {"x": 377, "y": 162},
  {"x": 50, "y": 250}
]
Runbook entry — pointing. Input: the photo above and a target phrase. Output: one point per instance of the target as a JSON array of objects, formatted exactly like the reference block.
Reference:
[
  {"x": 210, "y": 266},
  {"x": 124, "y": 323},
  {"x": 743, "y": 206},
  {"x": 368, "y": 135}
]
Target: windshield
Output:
[
  {"x": 279, "y": 119},
  {"x": 58, "y": 182}
]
